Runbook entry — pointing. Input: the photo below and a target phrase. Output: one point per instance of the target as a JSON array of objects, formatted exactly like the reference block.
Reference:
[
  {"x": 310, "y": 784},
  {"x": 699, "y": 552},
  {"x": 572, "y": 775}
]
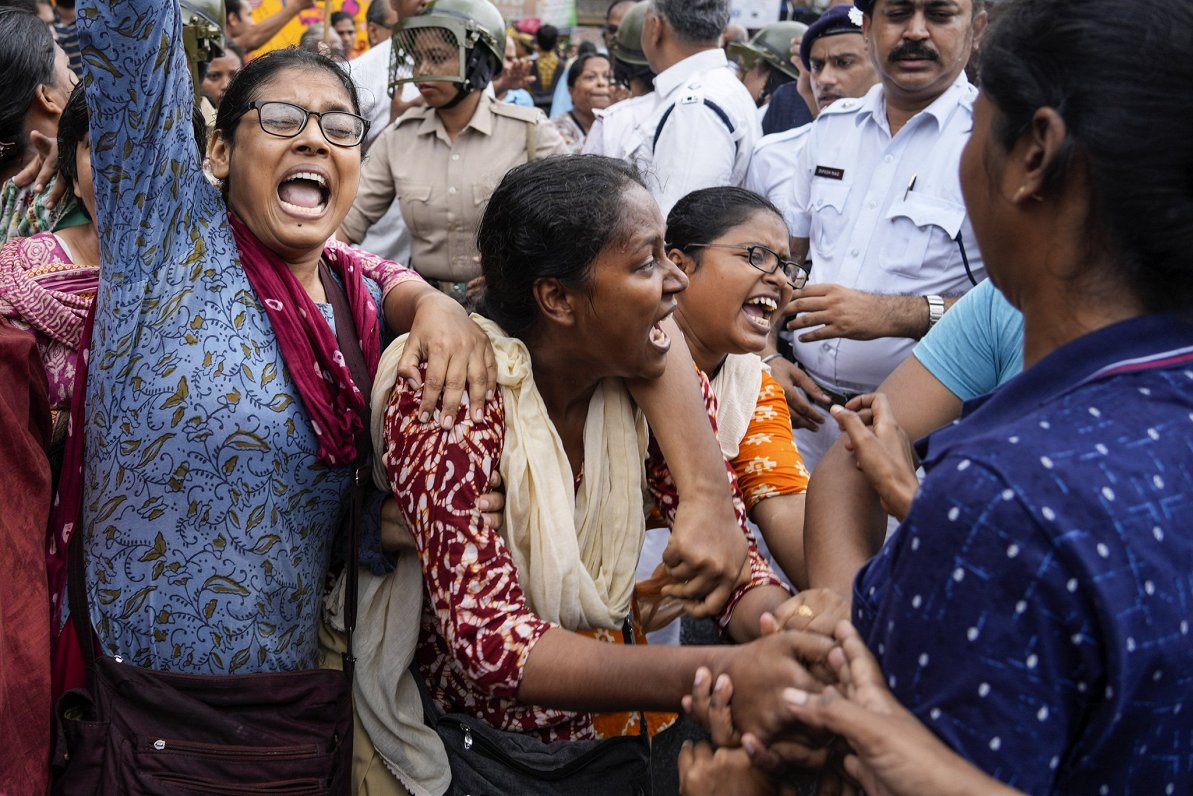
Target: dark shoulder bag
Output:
[
  {"x": 486, "y": 761},
  {"x": 140, "y": 731}
]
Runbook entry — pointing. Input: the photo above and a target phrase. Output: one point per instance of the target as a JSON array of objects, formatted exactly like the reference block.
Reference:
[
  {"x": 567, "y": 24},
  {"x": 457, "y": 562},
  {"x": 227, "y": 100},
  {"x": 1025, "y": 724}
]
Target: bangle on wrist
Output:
[{"x": 769, "y": 357}]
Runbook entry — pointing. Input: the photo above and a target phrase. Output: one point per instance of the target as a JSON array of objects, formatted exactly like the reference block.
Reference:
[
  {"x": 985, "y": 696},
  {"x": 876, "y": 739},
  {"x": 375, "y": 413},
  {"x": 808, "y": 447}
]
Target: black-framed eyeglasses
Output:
[
  {"x": 764, "y": 259},
  {"x": 286, "y": 120}
]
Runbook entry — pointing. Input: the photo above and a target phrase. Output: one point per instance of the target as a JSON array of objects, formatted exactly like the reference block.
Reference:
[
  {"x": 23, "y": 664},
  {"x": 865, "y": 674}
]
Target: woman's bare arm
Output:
[{"x": 844, "y": 522}]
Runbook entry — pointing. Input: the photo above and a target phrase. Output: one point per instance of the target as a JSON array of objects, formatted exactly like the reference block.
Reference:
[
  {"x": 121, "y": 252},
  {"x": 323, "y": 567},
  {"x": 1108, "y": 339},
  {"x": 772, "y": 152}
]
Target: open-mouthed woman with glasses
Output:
[
  {"x": 222, "y": 406},
  {"x": 733, "y": 245}
]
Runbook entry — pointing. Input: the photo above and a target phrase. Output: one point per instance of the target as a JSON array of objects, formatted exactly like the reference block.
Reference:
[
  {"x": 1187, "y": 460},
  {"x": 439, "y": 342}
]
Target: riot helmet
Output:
[
  {"x": 202, "y": 35},
  {"x": 453, "y": 41},
  {"x": 629, "y": 61},
  {"x": 772, "y": 45}
]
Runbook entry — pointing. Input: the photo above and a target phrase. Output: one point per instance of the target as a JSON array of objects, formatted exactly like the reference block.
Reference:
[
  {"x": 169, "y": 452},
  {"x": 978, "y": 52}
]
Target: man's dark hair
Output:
[
  {"x": 613, "y": 5},
  {"x": 547, "y": 38},
  {"x": 21, "y": 5},
  {"x": 695, "y": 21},
  {"x": 378, "y": 14}
]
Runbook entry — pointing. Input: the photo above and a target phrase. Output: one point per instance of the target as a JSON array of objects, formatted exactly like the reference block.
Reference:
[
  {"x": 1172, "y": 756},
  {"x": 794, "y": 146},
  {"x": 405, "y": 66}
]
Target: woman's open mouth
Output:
[
  {"x": 760, "y": 310},
  {"x": 304, "y": 193},
  {"x": 658, "y": 338}
]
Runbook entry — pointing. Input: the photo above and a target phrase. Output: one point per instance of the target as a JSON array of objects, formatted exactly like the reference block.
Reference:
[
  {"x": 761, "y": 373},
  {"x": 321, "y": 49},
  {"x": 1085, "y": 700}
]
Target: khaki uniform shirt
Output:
[{"x": 443, "y": 186}]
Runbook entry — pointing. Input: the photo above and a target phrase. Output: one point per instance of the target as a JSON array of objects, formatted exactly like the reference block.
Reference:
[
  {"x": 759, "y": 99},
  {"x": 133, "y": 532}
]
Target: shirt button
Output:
[
  {"x": 455, "y": 156},
  {"x": 873, "y": 205},
  {"x": 889, "y": 159},
  {"x": 452, "y": 190},
  {"x": 826, "y": 347},
  {"x": 853, "y": 253}
]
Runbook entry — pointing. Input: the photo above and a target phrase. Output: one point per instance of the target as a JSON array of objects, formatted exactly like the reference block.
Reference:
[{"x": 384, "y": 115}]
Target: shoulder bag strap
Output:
[
  {"x": 354, "y": 359},
  {"x": 67, "y": 511}
]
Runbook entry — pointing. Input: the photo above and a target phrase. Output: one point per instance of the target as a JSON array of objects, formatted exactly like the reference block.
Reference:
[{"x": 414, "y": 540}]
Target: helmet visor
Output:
[{"x": 427, "y": 53}]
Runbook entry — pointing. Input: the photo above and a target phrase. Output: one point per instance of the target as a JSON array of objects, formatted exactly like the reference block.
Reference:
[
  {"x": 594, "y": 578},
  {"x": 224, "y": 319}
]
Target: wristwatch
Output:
[{"x": 935, "y": 309}]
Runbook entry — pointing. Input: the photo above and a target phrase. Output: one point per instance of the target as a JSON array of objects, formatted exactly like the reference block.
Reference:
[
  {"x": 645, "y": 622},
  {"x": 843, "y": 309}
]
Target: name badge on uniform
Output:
[{"x": 830, "y": 172}]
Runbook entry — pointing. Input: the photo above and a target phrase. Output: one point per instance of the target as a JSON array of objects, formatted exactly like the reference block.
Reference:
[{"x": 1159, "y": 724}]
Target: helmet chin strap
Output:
[
  {"x": 479, "y": 73},
  {"x": 462, "y": 91}
]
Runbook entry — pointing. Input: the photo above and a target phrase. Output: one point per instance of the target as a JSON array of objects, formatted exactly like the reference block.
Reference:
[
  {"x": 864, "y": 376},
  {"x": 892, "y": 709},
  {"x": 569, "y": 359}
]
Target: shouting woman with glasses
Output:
[
  {"x": 226, "y": 389},
  {"x": 732, "y": 244}
]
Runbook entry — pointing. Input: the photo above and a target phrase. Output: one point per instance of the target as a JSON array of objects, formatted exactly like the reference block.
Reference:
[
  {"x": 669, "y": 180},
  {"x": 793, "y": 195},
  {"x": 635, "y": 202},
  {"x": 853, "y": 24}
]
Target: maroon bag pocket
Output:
[{"x": 286, "y": 733}]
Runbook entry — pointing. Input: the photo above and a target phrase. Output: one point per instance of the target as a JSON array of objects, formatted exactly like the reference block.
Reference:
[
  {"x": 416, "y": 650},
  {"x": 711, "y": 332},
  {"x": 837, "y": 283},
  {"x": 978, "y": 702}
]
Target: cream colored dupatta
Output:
[{"x": 576, "y": 554}]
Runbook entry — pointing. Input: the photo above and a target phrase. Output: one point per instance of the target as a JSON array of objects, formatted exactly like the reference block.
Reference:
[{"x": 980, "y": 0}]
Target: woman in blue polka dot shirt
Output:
[{"x": 1033, "y": 609}]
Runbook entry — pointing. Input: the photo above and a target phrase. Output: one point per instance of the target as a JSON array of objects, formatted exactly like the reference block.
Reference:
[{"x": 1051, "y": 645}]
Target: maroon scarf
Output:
[{"x": 309, "y": 347}]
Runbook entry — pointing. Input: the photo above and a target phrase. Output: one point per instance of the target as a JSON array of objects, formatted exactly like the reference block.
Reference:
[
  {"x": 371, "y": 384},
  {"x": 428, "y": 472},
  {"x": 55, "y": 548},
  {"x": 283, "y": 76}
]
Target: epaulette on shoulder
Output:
[
  {"x": 415, "y": 114},
  {"x": 845, "y": 105},
  {"x": 519, "y": 112}
]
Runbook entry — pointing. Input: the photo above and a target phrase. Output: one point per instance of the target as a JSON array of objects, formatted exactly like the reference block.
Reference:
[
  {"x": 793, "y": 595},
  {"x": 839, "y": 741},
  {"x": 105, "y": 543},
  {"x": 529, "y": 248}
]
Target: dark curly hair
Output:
[
  {"x": 705, "y": 215},
  {"x": 549, "y": 219}
]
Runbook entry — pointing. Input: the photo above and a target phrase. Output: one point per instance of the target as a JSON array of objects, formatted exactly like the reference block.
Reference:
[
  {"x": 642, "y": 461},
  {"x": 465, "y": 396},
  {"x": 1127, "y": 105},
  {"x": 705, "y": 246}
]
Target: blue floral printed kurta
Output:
[{"x": 208, "y": 517}]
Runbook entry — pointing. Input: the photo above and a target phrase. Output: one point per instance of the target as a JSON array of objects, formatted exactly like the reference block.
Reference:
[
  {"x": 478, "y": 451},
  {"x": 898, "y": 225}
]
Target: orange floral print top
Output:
[{"x": 768, "y": 463}]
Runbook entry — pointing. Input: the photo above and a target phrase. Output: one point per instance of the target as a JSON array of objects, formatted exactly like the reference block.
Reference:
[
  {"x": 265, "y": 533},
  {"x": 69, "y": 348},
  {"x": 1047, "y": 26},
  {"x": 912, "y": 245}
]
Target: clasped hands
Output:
[{"x": 750, "y": 707}]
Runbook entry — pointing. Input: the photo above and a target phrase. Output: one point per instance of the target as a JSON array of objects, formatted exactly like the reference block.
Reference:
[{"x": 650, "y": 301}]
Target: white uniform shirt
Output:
[
  {"x": 772, "y": 166},
  {"x": 615, "y": 131},
  {"x": 389, "y": 237},
  {"x": 696, "y": 148},
  {"x": 870, "y": 231}
]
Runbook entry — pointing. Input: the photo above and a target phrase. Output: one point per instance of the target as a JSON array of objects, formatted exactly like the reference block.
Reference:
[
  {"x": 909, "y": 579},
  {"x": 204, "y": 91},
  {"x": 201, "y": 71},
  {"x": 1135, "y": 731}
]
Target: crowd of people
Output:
[{"x": 566, "y": 400}]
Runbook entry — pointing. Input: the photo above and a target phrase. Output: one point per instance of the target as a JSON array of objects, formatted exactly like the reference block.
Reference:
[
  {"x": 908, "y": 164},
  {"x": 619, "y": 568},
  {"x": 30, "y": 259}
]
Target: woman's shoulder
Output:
[
  {"x": 409, "y": 442},
  {"x": 1081, "y": 453},
  {"x": 39, "y": 249},
  {"x": 377, "y": 271},
  {"x": 770, "y": 390},
  {"x": 516, "y": 121}
]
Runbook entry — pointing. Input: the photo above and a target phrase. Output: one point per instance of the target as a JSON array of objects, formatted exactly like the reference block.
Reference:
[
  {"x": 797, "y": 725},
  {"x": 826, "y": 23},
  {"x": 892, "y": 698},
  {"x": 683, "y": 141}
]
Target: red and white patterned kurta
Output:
[{"x": 477, "y": 631}]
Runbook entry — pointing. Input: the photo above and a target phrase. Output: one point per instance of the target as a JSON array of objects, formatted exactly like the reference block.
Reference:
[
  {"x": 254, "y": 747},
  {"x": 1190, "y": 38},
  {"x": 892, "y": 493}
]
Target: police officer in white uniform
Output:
[
  {"x": 837, "y": 67},
  {"x": 704, "y": 124},
  {"x": 614, "y": 132},
  {"x": 877, "y": 204}
]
